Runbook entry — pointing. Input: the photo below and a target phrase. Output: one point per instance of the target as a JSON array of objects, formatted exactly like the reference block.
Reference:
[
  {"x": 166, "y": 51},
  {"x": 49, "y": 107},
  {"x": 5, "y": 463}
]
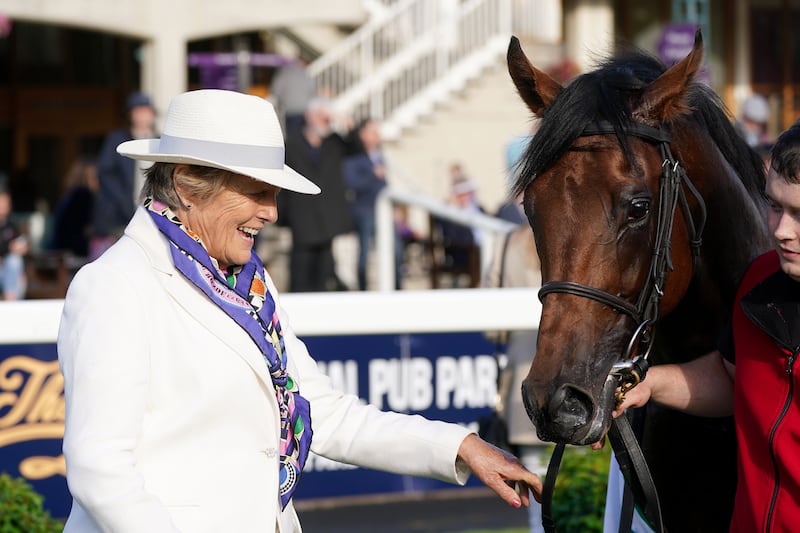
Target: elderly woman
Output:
[{"x": 191, "y": 404}]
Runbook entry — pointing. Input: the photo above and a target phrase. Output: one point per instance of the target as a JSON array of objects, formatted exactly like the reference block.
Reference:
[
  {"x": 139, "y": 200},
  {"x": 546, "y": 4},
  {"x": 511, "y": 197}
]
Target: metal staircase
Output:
[{"x": 414, "y": 54}]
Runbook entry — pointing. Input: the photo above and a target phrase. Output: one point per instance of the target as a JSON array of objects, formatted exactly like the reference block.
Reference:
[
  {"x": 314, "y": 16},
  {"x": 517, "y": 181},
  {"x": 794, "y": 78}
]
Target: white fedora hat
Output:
[{"x": 226, "y": 130}]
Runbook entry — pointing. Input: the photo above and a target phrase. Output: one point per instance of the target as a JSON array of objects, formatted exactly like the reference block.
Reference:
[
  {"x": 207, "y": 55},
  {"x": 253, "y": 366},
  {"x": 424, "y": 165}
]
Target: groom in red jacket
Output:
[{"x": 762, "y": 356}]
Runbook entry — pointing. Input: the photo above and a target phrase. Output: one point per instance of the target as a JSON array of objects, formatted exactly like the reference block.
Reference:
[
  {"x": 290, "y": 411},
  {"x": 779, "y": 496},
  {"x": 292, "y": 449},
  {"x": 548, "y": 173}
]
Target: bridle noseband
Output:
[{"x": 630, "y": 369}]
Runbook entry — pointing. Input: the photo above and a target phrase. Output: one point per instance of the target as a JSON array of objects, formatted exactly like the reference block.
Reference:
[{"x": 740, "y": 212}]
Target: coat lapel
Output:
[{"x": 192, "y": 300}]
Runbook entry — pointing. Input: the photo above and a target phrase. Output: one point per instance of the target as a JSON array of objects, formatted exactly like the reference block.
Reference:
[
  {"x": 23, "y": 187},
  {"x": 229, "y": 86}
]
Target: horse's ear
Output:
[
  {"x": 666, "y": 98},
  {"x": 537, "y": 89}
]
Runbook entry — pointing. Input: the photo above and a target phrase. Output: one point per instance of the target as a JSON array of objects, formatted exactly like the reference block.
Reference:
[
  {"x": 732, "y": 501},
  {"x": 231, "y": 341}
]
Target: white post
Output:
[
  {"x": 741, "y": 54},
  {"x": 488, "y": 240},
  {"x": 505, "y": 17},
  {"x": 385, "y": 230},
  {"x": 164, "y": 69},
  {"x": 589, "y": 31},
  {"x": 384, "y": 241}
]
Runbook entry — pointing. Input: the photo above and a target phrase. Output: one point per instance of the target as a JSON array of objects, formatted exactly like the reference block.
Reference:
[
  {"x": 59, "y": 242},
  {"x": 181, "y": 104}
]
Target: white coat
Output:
[{"x": 172, "y": 421}]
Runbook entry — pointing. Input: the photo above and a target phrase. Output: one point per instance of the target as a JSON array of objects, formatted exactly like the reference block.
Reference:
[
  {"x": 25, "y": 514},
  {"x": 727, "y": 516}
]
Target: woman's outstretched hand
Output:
[{"x": 500, "y": 471}]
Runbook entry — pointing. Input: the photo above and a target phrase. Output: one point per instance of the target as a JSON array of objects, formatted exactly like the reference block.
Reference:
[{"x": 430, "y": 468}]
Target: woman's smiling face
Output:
[{"x": 229, "y": 221}]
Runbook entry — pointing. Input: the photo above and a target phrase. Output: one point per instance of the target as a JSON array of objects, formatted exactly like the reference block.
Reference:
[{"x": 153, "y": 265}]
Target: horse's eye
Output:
[{"x": 638, "y": 209}]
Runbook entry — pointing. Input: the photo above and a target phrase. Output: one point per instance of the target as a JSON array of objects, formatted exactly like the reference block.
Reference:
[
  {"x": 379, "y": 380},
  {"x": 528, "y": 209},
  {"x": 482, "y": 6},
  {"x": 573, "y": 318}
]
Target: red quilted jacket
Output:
[{"x": 766, "y": 330}]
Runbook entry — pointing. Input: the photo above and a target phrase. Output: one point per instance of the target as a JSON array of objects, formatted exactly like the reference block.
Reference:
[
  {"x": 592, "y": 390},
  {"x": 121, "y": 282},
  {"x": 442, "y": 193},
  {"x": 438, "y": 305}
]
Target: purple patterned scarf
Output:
[{"x": 245, "y": 298}]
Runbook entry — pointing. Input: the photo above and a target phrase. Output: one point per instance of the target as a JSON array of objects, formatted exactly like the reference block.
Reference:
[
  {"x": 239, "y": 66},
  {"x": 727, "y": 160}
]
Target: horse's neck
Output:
[
  {"x": 734, "y": 235},
  {"x": 736, "y": 229}
]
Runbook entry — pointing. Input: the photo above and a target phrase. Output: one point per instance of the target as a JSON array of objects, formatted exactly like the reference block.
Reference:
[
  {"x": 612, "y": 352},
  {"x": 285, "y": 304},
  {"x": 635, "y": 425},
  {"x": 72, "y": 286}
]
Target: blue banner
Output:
[
  {"x": 443, "y": 376},
  {"x": 32, "y": 421},
  {"x": 450, "y": 377}
]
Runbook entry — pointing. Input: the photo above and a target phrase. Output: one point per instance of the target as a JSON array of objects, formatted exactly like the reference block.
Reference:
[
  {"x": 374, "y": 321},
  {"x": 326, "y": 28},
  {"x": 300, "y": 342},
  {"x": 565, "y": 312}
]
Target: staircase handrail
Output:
[
  {"x": 357, "y": 41},
  {"x": 385, "y": 231},
  {"x": 405, "y": 49},
  {"x": 374, "y": 24}
]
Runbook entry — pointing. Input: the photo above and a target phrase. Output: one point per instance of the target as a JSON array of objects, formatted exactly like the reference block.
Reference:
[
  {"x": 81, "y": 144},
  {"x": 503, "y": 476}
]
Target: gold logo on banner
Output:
[{"x": 32, "y": 400}]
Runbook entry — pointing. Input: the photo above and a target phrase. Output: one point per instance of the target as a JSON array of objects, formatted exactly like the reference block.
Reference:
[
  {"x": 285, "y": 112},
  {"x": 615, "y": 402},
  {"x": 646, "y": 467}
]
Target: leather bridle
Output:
[{"x": 630, "y": 369}]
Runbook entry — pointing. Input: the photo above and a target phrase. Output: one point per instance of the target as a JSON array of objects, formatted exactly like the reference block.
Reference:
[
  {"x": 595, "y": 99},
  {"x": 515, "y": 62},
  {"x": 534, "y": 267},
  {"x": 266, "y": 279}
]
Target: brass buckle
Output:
[{"x": 628, "y": 380}]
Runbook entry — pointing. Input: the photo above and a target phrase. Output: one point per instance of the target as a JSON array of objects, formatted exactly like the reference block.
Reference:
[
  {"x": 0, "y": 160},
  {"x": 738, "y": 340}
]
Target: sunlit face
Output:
[
  {"x": 783, "y": 219},
  {"x": 229, "y": 221},
  {"x": 370, "y": 135},
  {"x": 319, "y": 121},
  {"x": 142, "y": 117},
  {"x": 465, "y": 199}
]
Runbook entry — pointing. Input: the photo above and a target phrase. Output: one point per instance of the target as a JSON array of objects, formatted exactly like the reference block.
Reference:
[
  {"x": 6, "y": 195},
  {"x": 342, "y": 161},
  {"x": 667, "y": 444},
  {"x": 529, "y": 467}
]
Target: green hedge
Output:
[
  {"x": 580, "y": 493},
  {"x": 21, "y": 509}
]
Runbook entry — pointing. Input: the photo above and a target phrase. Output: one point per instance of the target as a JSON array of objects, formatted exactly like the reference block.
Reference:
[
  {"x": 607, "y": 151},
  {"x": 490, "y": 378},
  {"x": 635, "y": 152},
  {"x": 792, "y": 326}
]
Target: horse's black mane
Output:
[{"x": 605, "y": 94}]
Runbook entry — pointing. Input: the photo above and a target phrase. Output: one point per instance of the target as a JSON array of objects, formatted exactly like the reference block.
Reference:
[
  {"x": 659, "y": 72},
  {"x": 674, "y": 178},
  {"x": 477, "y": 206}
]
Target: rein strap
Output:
[{"x": 634, "y": 469}]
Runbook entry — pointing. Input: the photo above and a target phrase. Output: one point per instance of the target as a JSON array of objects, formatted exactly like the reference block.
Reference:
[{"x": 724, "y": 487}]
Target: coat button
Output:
[{"x": 270, "y": 452}]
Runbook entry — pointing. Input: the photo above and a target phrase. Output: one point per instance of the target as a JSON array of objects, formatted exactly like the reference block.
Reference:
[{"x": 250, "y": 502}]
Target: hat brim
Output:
[{"x": 286, "y": 178}]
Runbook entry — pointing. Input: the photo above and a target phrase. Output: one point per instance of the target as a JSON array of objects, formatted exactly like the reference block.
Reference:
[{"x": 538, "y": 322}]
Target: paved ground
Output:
[{"x": 468, "y": 509}]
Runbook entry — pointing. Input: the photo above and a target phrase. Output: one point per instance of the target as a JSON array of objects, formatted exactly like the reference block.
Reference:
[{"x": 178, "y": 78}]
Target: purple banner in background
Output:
[
  {"x": 676, "y": 42},
  {"x": 219, "y": 77},
  {"x": 218, "y": 70}
]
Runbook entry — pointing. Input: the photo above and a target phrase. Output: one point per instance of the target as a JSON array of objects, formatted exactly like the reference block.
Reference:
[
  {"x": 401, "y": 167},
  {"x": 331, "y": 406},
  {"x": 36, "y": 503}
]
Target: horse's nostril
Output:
[
  {"x": 570, "y": 407},
  {"x": 527, "y": 402}
]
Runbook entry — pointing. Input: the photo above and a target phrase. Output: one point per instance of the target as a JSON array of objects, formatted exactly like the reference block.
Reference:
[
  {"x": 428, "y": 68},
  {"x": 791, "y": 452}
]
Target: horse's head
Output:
[{"x": 591, "y": 181}]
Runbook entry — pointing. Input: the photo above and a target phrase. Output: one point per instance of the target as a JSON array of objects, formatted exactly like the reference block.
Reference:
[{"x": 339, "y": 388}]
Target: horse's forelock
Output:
[
  {"x": 604, "y": 94},
  {"x": 561, "y": 123}
]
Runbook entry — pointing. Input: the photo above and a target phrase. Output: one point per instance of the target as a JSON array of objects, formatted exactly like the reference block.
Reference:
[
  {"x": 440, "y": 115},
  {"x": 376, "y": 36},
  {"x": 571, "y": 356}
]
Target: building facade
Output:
[{"x": 66, "y": 66}]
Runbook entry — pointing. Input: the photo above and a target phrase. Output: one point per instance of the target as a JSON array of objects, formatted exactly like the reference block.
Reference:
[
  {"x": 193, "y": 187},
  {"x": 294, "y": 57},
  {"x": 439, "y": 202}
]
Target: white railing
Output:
[
  {"x": 403, "y": 51},
  {"x": 313, "y": 314},
  {"x": 385, "y": 230}
]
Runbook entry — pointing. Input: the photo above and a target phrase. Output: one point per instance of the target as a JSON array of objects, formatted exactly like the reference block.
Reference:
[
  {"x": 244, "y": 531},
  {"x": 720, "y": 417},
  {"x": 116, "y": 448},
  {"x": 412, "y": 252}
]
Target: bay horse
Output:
[{"x": 646, "y": 207}]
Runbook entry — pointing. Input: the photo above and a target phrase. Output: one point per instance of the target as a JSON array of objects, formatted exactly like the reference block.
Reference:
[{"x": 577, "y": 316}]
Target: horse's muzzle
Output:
[
  {"x": 570, "y": 408},
  {"x": 570, "y": 415}
]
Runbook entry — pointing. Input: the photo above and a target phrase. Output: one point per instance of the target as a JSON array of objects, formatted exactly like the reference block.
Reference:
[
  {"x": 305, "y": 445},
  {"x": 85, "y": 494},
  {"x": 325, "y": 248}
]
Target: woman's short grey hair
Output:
[{"x": 199, "y": 183}]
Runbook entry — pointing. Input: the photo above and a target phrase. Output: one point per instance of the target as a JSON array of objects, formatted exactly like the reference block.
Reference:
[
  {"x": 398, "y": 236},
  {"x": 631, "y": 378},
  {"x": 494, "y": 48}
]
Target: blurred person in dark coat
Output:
[
  {"x": 120, "y": 178},
  {"x": 317, "y": 152},
  {"x": 365, "y": 176},
  {"x": 461, "y": 242},
  {"x": 72, "y": 218}
]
